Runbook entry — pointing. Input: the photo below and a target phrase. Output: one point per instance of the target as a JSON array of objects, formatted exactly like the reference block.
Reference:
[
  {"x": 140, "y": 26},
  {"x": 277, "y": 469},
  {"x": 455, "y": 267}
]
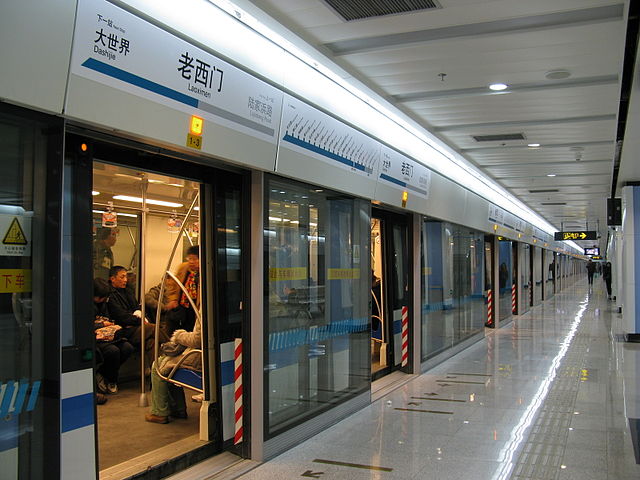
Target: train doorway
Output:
[
  {"x": 390, "y": 293},
  {"x": 167, "y": 243}
]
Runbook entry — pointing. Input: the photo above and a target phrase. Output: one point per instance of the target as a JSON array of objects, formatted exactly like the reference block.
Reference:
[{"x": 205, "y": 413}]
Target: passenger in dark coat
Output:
[
  {"x": 111, "y": 353},
  {"x": 591, "y": 268},
  {"x": 125, "y": 311}
]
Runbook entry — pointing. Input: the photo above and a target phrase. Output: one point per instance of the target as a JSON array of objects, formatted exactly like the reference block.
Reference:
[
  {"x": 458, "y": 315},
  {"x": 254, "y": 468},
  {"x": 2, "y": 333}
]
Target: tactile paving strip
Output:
[{"x": 542, "y": 452}]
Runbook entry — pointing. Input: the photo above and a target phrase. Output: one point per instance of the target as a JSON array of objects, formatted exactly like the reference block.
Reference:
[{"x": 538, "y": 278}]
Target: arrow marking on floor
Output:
[
  {"x": 353, "y": 465},
  {"x": 312, "y": 474}
]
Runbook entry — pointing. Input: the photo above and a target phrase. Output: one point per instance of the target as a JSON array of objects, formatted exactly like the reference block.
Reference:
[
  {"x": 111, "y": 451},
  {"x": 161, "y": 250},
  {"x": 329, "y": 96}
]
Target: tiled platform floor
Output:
[{"x": 546, "y": 397}]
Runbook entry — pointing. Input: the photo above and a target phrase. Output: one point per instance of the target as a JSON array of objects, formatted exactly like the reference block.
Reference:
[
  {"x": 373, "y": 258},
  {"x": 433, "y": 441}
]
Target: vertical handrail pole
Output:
[{"x": 142, "y": 402}]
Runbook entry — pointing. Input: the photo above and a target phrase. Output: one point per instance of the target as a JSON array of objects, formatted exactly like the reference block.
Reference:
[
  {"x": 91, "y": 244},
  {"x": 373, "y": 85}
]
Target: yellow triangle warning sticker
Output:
[{"x": 15, "y": 235}]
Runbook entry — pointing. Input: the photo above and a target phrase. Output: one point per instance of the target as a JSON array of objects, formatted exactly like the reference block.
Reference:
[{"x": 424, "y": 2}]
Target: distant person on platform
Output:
[
  {"x": 591, "y": 268},
  {"x": 606, "y": 274},
  {"x": 102, "y": 253}
]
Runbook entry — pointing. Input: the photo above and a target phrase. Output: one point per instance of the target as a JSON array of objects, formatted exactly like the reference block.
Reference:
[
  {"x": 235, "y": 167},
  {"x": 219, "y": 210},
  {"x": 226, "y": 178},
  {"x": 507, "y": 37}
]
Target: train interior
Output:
[
  {"x": 379, "y": 336},
  {"x": 389, "y": 292},
  {"x": 142, "y": 217}
]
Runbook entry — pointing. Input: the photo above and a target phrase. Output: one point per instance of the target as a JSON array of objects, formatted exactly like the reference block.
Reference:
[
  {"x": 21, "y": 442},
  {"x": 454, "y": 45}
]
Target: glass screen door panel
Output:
[{"x": 398, "y": 256}]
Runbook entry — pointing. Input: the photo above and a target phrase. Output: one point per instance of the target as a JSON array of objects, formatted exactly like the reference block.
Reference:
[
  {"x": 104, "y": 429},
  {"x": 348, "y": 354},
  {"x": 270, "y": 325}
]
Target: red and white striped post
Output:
[
  {"x": 405, "y": 336},
  {"x": 489, "y": 307},
  {"x": 513, "y": 298},
  {"x": 238, "y": 391}
]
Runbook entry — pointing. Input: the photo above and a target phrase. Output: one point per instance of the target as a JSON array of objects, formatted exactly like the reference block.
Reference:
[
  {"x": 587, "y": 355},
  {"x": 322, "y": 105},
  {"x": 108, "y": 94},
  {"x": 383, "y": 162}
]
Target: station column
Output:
[{"x": 629, "y": 289}]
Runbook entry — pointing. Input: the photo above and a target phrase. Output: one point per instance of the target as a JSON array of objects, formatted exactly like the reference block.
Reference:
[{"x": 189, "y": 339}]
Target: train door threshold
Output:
[
  {"x": 388, "y": 383},
  {"x": 225, "y": 466},
  {"x": 224, "y": 462}
]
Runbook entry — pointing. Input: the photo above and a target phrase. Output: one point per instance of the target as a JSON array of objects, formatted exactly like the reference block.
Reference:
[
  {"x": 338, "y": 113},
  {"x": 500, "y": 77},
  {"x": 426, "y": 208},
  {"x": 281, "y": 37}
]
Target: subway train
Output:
[{"x": 342, "y": 248}]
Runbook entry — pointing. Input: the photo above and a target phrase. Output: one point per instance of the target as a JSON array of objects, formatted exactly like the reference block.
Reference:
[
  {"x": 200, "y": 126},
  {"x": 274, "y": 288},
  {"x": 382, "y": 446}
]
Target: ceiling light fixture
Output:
[
  {"x": 150, "y": 201},
  {"x": 533, "y": 145},
  {"x": 95, "y": 192},
  {"x": 498, "y": 87},
  {"x": 551, "y": 174}
]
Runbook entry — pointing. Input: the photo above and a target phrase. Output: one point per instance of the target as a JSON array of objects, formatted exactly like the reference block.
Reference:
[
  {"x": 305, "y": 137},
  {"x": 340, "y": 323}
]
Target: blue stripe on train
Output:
[{"x": 77, "y": 412}]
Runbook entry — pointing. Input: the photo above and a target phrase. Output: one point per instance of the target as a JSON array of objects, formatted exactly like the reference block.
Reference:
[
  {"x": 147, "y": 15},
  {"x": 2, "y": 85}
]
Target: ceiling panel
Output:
[
  {"x": 572, "y": 169},
  {"x": 541, "y": 134},
  {"x": 454, "y": 13},
  {"x": 478, "y": 42}
]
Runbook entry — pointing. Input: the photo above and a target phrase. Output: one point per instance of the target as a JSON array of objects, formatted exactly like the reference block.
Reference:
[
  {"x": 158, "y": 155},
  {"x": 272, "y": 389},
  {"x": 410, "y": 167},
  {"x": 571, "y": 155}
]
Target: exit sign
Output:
[{"x": 579, "y": 235}]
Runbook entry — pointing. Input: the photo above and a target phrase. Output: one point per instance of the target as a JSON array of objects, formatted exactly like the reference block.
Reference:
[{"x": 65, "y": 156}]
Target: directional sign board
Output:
[{"x": 580, "y": 235}]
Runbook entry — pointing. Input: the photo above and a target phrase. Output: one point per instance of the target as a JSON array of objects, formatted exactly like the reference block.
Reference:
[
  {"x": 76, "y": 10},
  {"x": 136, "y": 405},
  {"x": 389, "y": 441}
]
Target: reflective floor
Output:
[{"x": 549, "y": 396}]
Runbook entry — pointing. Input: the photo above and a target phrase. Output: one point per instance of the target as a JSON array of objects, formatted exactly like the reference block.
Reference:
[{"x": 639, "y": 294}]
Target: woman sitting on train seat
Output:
[
  {"x": 180, "y": 314},
  {"x": 125, "y": 311},
  {"x": 151, "y": 306},
  {"x": 167, "y": 399},
  {"x": 112, "y": 349}
]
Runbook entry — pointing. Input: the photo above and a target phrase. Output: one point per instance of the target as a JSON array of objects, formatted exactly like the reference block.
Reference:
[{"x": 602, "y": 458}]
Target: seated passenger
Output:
[
  {"x": 180, "y": 314},
  {"x": 112, "y": 350},
  {"x": 167, "y": 399},
  {"x": 151, "y": 305},
  {"x": 125, "y": 311}
]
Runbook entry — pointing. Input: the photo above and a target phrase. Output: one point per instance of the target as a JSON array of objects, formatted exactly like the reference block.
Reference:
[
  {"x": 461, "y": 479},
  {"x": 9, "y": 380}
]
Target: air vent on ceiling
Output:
[
  {"x": 359, "y": 9},
  {"x": 553, "y": 203},
  {"x": 499, "y": 137},
  {"x": 550, "y": 190}
]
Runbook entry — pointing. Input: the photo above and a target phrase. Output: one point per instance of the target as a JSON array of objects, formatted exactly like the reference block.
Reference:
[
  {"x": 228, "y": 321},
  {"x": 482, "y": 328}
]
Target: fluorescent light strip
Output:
[
  {"x": 150, "y": 201},
  {"x": 95, "y": 192}
]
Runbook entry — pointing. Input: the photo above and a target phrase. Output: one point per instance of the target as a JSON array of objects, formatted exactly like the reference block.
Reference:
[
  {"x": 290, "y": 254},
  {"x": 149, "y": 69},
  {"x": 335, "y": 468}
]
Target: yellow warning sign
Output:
[
  {"x": 15, "y": 235},
  {"x": 15, "y": 280}
]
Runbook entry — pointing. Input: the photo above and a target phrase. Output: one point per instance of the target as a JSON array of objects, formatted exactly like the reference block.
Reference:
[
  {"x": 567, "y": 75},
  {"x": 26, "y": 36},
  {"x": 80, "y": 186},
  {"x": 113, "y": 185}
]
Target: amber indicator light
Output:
[{"x": 195, "y": 126}]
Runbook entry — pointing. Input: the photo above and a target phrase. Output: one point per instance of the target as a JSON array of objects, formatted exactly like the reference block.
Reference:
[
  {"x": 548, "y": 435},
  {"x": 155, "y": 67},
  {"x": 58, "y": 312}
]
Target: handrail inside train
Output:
[{"x": 198, "y": 312}]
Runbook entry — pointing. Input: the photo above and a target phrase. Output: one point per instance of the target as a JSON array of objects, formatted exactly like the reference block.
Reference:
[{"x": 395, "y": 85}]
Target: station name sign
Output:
[{"x": 580, "y": 235}]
